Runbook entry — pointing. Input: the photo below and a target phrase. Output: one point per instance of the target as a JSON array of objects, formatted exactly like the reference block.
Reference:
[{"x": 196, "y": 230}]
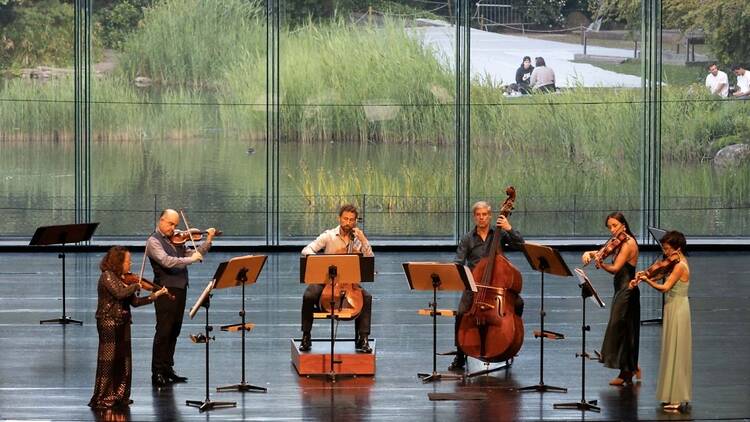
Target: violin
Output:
[
  {"x": 610, "y": 247},
  {"x": 660, "y": 268},
  {"x": 130, "y": 278},
  {"x": 491, "y": 331},
  {"x": 179, "y": 237}
]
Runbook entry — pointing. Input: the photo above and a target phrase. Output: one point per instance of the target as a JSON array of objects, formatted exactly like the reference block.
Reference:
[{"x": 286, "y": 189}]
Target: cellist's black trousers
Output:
[
  {"x": 467, "y": 299},
  {"x": 310, "y": 301}
]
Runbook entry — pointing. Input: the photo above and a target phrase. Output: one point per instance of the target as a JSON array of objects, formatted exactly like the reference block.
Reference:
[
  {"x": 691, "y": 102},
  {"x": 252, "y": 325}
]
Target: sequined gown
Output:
[
  {"x": 113, "y": 366},
  {"x": 620, "y": 345}
]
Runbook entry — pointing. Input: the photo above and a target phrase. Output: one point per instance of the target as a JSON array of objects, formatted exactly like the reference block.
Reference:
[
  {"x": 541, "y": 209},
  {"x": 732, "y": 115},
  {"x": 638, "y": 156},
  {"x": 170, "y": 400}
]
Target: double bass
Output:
[{"x": 492, "y": 331}]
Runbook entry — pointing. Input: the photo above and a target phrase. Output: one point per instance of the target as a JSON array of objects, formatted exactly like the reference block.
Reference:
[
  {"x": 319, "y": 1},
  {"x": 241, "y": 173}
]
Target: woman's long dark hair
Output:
[
  {"x": 619, "y": 216},
  {"x": 113, "y": 260}
]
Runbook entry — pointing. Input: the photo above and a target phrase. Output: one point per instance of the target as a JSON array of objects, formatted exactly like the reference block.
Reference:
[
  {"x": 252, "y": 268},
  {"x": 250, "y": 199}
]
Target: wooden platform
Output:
[{"x": 318, "y": 360}]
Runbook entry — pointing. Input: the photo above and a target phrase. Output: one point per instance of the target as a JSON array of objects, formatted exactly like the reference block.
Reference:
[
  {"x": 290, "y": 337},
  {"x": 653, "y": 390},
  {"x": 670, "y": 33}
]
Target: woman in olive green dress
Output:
[{"x": 676, "y": 363}]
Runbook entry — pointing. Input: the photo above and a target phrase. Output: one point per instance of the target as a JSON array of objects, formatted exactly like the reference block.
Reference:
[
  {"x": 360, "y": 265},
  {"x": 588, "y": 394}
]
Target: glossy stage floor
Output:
[{"x": 47, "y": 371}]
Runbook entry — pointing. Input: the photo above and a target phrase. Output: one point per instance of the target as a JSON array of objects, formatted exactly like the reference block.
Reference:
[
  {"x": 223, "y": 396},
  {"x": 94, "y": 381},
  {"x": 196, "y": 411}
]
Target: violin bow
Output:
[
  {"x": 143, "y": 263},
  {"x": 190, "y": 236}
]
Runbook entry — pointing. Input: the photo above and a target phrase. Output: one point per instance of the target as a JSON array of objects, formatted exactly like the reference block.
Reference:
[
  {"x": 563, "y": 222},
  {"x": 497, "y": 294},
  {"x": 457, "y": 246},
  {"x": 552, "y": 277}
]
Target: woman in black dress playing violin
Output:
[{"x": 620, "y": 345}]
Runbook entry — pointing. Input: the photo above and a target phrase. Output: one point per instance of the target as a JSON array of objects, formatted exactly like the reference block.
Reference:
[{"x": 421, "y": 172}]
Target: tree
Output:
[
  {"x": 727, "y": 25},
  {"x": 725, "y": 22},
  {"x": 36, "y": 32}
]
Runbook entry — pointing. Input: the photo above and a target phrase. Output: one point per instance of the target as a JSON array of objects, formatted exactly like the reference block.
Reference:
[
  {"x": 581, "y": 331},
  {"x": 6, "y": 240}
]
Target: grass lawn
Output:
[{"x": 672, "y": 74}]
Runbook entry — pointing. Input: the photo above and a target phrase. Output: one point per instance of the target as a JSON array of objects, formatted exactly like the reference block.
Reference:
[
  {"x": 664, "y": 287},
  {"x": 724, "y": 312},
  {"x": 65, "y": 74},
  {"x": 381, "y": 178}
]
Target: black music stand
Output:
[
  {"x": 242, "y": 270},
  {"x": 587, "y": 290},
  {"x": 331, "y": 269},
  {"x": 657, "y": 234},
  {"x": 204, "y": 300},
  {"x": 437, "y": 276},
  {"x": 545, "y": 260},
  {"x": 62, "y": 235}
]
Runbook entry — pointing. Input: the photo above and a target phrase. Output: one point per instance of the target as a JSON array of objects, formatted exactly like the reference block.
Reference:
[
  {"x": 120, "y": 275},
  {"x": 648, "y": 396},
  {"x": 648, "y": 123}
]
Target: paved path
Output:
[{"x": 498, "y": 56}]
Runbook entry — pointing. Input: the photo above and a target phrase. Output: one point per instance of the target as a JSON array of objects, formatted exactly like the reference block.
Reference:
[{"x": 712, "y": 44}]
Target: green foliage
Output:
[
  {"x": 191, "y": 42},
  {"x": 624, "y": 11},
  {"x": 119, "y": 20},
  {"x": 377, "y": 74},
  {"x": 547, "y": 13},
  {"x": 371, "y": 99},
  {"x": 727, "y": 23},
  {"x": 672, "y": 74},
  {"x": 37, "y": 33}
]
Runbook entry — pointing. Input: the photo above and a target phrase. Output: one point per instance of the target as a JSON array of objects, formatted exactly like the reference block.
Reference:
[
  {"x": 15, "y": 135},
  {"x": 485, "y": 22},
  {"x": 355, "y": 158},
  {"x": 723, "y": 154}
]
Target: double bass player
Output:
[{"x": 471, "y": 248}]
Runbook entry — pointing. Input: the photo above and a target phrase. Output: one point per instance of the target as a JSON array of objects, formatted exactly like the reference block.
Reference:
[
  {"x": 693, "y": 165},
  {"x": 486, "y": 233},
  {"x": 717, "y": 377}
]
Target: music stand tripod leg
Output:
[
  {"x": 242, "y": 386},
  {"x": 435, "y": 375},
  {"x": 64, "y": 319},
  {"x": 542, "y": 387},
  {"x": 508, "y": 363},
  {"x": 584, "y": 404},
  {"x": 332, "y": 274},
  {"x": 207, "y": 404}
]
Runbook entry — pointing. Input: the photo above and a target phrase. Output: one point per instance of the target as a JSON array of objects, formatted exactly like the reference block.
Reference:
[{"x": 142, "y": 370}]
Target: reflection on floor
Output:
[{"x": 48, "y": 370}]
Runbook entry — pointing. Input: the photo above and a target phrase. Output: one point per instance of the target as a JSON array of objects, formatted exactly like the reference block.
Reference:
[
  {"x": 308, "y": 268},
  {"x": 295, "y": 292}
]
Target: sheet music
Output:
[
  {"x": 583, "y": 280},
  {"x": 470, "y": 277},
  {"x": 202, "y": 298}
]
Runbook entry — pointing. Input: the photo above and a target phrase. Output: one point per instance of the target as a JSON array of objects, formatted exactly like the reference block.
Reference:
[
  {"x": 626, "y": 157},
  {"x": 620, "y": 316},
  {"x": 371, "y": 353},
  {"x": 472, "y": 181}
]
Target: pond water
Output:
[{"x": 404, "y": 191}]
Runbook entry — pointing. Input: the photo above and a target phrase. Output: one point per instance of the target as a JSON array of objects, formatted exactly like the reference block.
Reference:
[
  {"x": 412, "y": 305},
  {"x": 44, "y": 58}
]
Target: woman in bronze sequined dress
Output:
[{"x": 114, "y": 367}]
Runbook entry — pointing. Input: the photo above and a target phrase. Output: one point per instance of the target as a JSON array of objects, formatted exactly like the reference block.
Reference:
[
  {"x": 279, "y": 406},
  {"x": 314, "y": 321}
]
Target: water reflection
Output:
[
  {"x": 112, "y": 415},
  {"x": 165, "y": 404},
  {"x": 620, "y": 402},
  {"x": 502, "y": 402},
  {"x": 347, "y": 399}
]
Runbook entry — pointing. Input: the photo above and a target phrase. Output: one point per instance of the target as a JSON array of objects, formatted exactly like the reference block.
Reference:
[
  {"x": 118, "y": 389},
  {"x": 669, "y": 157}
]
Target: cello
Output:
[
  {"x": 491, "y": 331},
  {"x": 347, "y": 298}
]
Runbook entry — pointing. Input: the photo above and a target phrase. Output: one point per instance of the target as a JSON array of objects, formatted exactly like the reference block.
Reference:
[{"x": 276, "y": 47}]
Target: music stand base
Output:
[
  {"x": 656, "y": 321},
  {"x": 210, "y": 405},
  {"x": 582, "y": 405},
  {"x": 506, "y": 365},
  {"x": 543, "y": 388},
  {"x": 64, "y": 320},
  {"x": 438, "y": 376},
  {"x": 242, "y": 387}
]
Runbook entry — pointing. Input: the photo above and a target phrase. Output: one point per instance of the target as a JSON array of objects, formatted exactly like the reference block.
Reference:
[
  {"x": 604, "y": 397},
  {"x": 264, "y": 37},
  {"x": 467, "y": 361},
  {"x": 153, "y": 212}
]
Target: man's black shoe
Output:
[
  {"x": 306, "y": 343},
  {"x": 363, "y": 345},
  {"x": 459, "y": 362},
  {"x": 159, "y": 380},
  {"x": 173, "y": 377}
]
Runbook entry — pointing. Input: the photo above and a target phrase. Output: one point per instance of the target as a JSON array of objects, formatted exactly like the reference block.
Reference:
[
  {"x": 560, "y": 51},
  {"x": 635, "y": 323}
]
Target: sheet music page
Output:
[{"x": 470, "y": 277}]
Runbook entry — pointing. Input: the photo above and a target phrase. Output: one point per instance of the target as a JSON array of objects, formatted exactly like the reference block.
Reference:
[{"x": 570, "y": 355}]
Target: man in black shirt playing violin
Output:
[{"x": 471, "y": 248}]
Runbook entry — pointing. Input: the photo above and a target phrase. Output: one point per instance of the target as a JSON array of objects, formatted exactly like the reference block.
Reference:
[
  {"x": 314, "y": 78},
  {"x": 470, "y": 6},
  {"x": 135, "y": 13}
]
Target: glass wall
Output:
[
  {"x": 705, "y": 163},
  {"x": 37, "y": 166},
  {"x": 554, "y": 118},
  {"x": 261, "y": 118},
  {"x": 179, "y": 116},
  {"x": 367, "y": 117}
]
